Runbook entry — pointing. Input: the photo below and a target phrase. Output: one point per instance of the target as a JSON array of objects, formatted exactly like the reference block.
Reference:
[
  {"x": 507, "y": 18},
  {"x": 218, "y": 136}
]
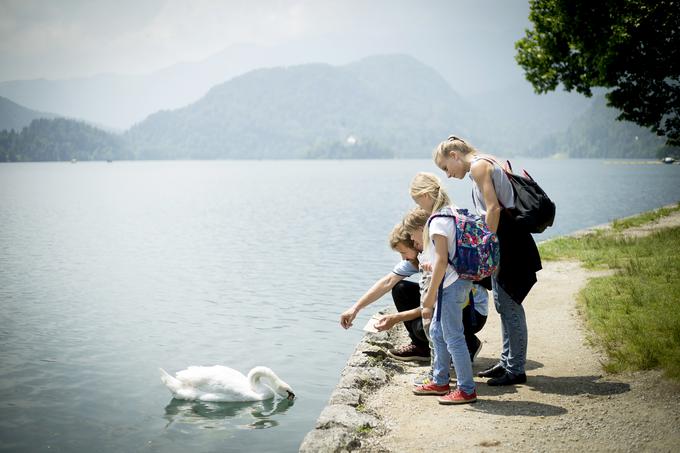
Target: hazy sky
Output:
[{"x": 470, "y": 42}]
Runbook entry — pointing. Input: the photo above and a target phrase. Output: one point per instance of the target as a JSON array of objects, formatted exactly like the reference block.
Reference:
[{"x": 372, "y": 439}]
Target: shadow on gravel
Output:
[
  {"x": 576, "y": 385},
  {"x": 514, "y": 408},
  {"x": 482, "y": 363}
]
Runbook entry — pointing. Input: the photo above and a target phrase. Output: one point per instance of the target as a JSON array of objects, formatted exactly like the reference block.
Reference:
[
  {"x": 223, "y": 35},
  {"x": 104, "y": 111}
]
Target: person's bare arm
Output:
[
  {"x": 481, "y": 173},
  {"x": 388, "y": 321},
  {"x": 379, "y": 289},
  {"x": 441, "y": 261}
]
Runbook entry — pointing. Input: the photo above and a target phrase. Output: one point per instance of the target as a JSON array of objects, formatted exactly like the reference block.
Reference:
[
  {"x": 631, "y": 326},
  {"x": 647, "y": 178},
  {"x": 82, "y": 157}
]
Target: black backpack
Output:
[{"x": 534, "y": 211}]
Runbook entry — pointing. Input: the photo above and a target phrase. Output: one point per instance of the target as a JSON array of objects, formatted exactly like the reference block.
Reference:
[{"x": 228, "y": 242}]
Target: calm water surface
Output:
[{"x": 109, "y": 271}]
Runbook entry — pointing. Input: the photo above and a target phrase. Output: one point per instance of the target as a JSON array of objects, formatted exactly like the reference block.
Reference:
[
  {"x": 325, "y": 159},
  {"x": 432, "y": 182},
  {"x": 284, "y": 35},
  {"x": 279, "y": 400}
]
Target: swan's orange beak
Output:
[{"x": 291, "y": 395}]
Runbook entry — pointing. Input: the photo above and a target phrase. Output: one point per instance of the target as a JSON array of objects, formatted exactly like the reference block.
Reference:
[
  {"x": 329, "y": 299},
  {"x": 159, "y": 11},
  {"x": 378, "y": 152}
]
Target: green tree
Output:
[
  {"x": 631, "y": 47},
  {"x": 60, "y": 139}
]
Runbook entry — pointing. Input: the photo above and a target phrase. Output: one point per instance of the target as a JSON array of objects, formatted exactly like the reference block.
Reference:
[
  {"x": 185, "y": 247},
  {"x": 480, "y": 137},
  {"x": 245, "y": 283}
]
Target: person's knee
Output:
[
  {"x": 506, "y": 306},
  {"x": 406, "y": 295},
  {"x": 399, "y": 289},
  {"x": 456, "y": 341}
]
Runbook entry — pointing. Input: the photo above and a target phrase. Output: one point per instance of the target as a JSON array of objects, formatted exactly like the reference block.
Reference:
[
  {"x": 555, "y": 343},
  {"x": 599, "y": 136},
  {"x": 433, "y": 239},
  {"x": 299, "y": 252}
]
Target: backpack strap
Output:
[
  {"x": 449, "y": 216},
  {"x": 507, "y": 168},
  {"x": 492, "y": 161},
  {"x": 434, "y": 216},
  {"x": 440, "y": 291},
  {"x": 440, "y": 296}
]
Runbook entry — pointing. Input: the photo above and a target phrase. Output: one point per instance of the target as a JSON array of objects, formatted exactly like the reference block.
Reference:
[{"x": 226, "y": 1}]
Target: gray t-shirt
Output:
[
  {"x": 504, "y": 192},
  {"x": 405, "y": 268}
]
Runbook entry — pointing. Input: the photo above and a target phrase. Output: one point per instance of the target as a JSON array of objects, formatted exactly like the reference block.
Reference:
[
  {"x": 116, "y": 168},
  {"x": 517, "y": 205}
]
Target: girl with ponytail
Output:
[
  {"x": 494, "y": 198},
  {"x": 447, "y": 292}
]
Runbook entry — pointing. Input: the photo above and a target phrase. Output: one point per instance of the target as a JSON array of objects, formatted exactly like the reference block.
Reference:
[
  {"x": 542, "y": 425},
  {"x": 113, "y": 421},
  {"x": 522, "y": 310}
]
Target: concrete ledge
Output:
[{"x": 344, "y": 424}]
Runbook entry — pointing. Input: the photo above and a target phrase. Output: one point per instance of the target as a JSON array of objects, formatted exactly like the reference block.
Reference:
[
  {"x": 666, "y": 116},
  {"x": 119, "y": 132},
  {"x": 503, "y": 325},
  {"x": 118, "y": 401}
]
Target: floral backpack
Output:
[{"x": 477, "y": 251}]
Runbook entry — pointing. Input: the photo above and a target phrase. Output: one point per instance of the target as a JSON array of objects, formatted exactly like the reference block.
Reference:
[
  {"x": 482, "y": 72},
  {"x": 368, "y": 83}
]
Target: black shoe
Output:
[
  {"x": 508, "y": 379},
  {"x": 494, "y": 372},
  {"x": 410, "y": 352}
]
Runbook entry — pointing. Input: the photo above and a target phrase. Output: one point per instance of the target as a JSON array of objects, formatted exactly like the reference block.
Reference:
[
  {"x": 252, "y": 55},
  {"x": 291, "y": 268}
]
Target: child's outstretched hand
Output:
[{"x": 426, "y": 267}]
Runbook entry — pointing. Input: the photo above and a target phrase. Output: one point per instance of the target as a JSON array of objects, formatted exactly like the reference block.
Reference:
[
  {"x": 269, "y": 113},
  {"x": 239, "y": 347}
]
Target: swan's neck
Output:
[{"x": 263, "y": 381}]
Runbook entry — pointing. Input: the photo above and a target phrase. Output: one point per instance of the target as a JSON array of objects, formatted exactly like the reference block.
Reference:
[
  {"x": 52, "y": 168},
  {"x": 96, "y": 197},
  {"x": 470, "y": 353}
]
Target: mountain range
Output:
[
  {"x": 380, "y": 106},
  {"x": 15, "y": 116},
  {"x": 282, "y": 112},
  {"x": 117, "y": 101}
]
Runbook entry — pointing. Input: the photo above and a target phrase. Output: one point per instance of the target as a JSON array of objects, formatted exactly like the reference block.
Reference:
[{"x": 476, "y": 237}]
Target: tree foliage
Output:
[
  {"x": 60, "y": 139},
  {"x": 597, "y": 134},
  {"x": 631, "y": 47}
]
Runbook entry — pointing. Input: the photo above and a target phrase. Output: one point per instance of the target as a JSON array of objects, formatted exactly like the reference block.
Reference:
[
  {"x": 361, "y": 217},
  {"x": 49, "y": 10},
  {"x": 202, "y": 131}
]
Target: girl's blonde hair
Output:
[
  {"x": 414, "y": 219},
  {"x": 429, "y": 185},
  {"x": 453, "y": 143}
]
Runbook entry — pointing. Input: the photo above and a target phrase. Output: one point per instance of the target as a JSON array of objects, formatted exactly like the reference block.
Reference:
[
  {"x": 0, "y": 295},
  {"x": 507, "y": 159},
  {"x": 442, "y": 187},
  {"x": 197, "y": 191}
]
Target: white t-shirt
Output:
[{"x": 443, "y": 226}]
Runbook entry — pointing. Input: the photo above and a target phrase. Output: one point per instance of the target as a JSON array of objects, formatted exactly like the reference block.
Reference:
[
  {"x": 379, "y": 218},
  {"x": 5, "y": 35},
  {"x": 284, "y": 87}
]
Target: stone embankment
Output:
[{"x": 346, "y": 424}]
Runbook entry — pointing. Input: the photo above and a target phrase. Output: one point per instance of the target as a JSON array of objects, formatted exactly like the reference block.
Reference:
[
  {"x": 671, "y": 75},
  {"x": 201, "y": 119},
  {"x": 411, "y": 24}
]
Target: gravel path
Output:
[{"x": 568, "y": 403}]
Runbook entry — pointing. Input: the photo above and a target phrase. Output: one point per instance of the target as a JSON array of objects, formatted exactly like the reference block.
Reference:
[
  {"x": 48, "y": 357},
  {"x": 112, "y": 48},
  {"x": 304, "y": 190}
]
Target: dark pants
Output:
[{"x": 406, "y": 295}]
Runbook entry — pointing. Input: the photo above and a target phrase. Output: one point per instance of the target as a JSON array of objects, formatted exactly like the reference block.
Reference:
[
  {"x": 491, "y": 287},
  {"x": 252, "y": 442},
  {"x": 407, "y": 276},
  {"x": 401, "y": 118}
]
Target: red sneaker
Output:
[
  {"x": 458, "y": 397},
  {"x": 432, "y": 389}
]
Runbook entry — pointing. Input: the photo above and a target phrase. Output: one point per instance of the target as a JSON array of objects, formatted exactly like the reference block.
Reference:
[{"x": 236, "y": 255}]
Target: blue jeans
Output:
[
  {"x": 448, "y": 337},
  {"x": 513, "y": 329}
]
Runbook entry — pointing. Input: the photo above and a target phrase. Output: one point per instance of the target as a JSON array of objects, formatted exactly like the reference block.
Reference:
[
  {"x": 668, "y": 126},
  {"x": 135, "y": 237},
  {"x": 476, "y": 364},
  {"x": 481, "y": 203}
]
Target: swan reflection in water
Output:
[{"x": 215, "y": 415}]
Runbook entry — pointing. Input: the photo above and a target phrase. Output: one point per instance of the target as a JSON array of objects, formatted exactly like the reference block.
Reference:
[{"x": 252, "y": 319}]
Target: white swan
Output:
[{"x": 221, "y": 383}]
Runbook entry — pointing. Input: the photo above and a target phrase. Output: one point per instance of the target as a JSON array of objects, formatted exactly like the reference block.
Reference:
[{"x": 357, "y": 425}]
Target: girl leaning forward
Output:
[
  {"x": 520, "y": 260},
  {"x": 445, "y": 298}
]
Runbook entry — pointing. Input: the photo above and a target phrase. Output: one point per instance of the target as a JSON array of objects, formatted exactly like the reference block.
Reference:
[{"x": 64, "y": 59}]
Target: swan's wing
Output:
[{"x": 217, "y": 383}]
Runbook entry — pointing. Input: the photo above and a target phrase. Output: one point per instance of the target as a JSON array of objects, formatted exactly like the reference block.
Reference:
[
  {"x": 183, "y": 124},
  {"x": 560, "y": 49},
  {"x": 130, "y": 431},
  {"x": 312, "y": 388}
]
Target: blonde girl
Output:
[
  {"x": 448, "y": 293},
  {"x": 474, "y": 313},
  {"x": 493, "y": 197}
]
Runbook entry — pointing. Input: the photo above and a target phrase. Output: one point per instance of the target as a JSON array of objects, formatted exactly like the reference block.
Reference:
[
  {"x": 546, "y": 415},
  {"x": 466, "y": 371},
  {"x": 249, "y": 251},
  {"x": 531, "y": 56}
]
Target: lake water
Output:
[{"x": 110, "y": 271}]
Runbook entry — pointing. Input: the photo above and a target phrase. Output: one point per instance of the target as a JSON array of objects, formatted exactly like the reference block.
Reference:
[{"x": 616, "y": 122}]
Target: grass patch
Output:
[
  {"x": 635, "y": 312},
  {"x": 594, "y": 250},
  {"x": 622, "y": 224},
  {"x": 365, "y": 429}
]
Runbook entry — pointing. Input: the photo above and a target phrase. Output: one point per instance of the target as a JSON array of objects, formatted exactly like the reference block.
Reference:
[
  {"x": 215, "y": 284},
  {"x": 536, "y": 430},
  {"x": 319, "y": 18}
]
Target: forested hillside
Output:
[
  {"x": 60, "y": 139},
  {"x": 395, "y": 102},
  {"x": 597, "y": 133}
]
